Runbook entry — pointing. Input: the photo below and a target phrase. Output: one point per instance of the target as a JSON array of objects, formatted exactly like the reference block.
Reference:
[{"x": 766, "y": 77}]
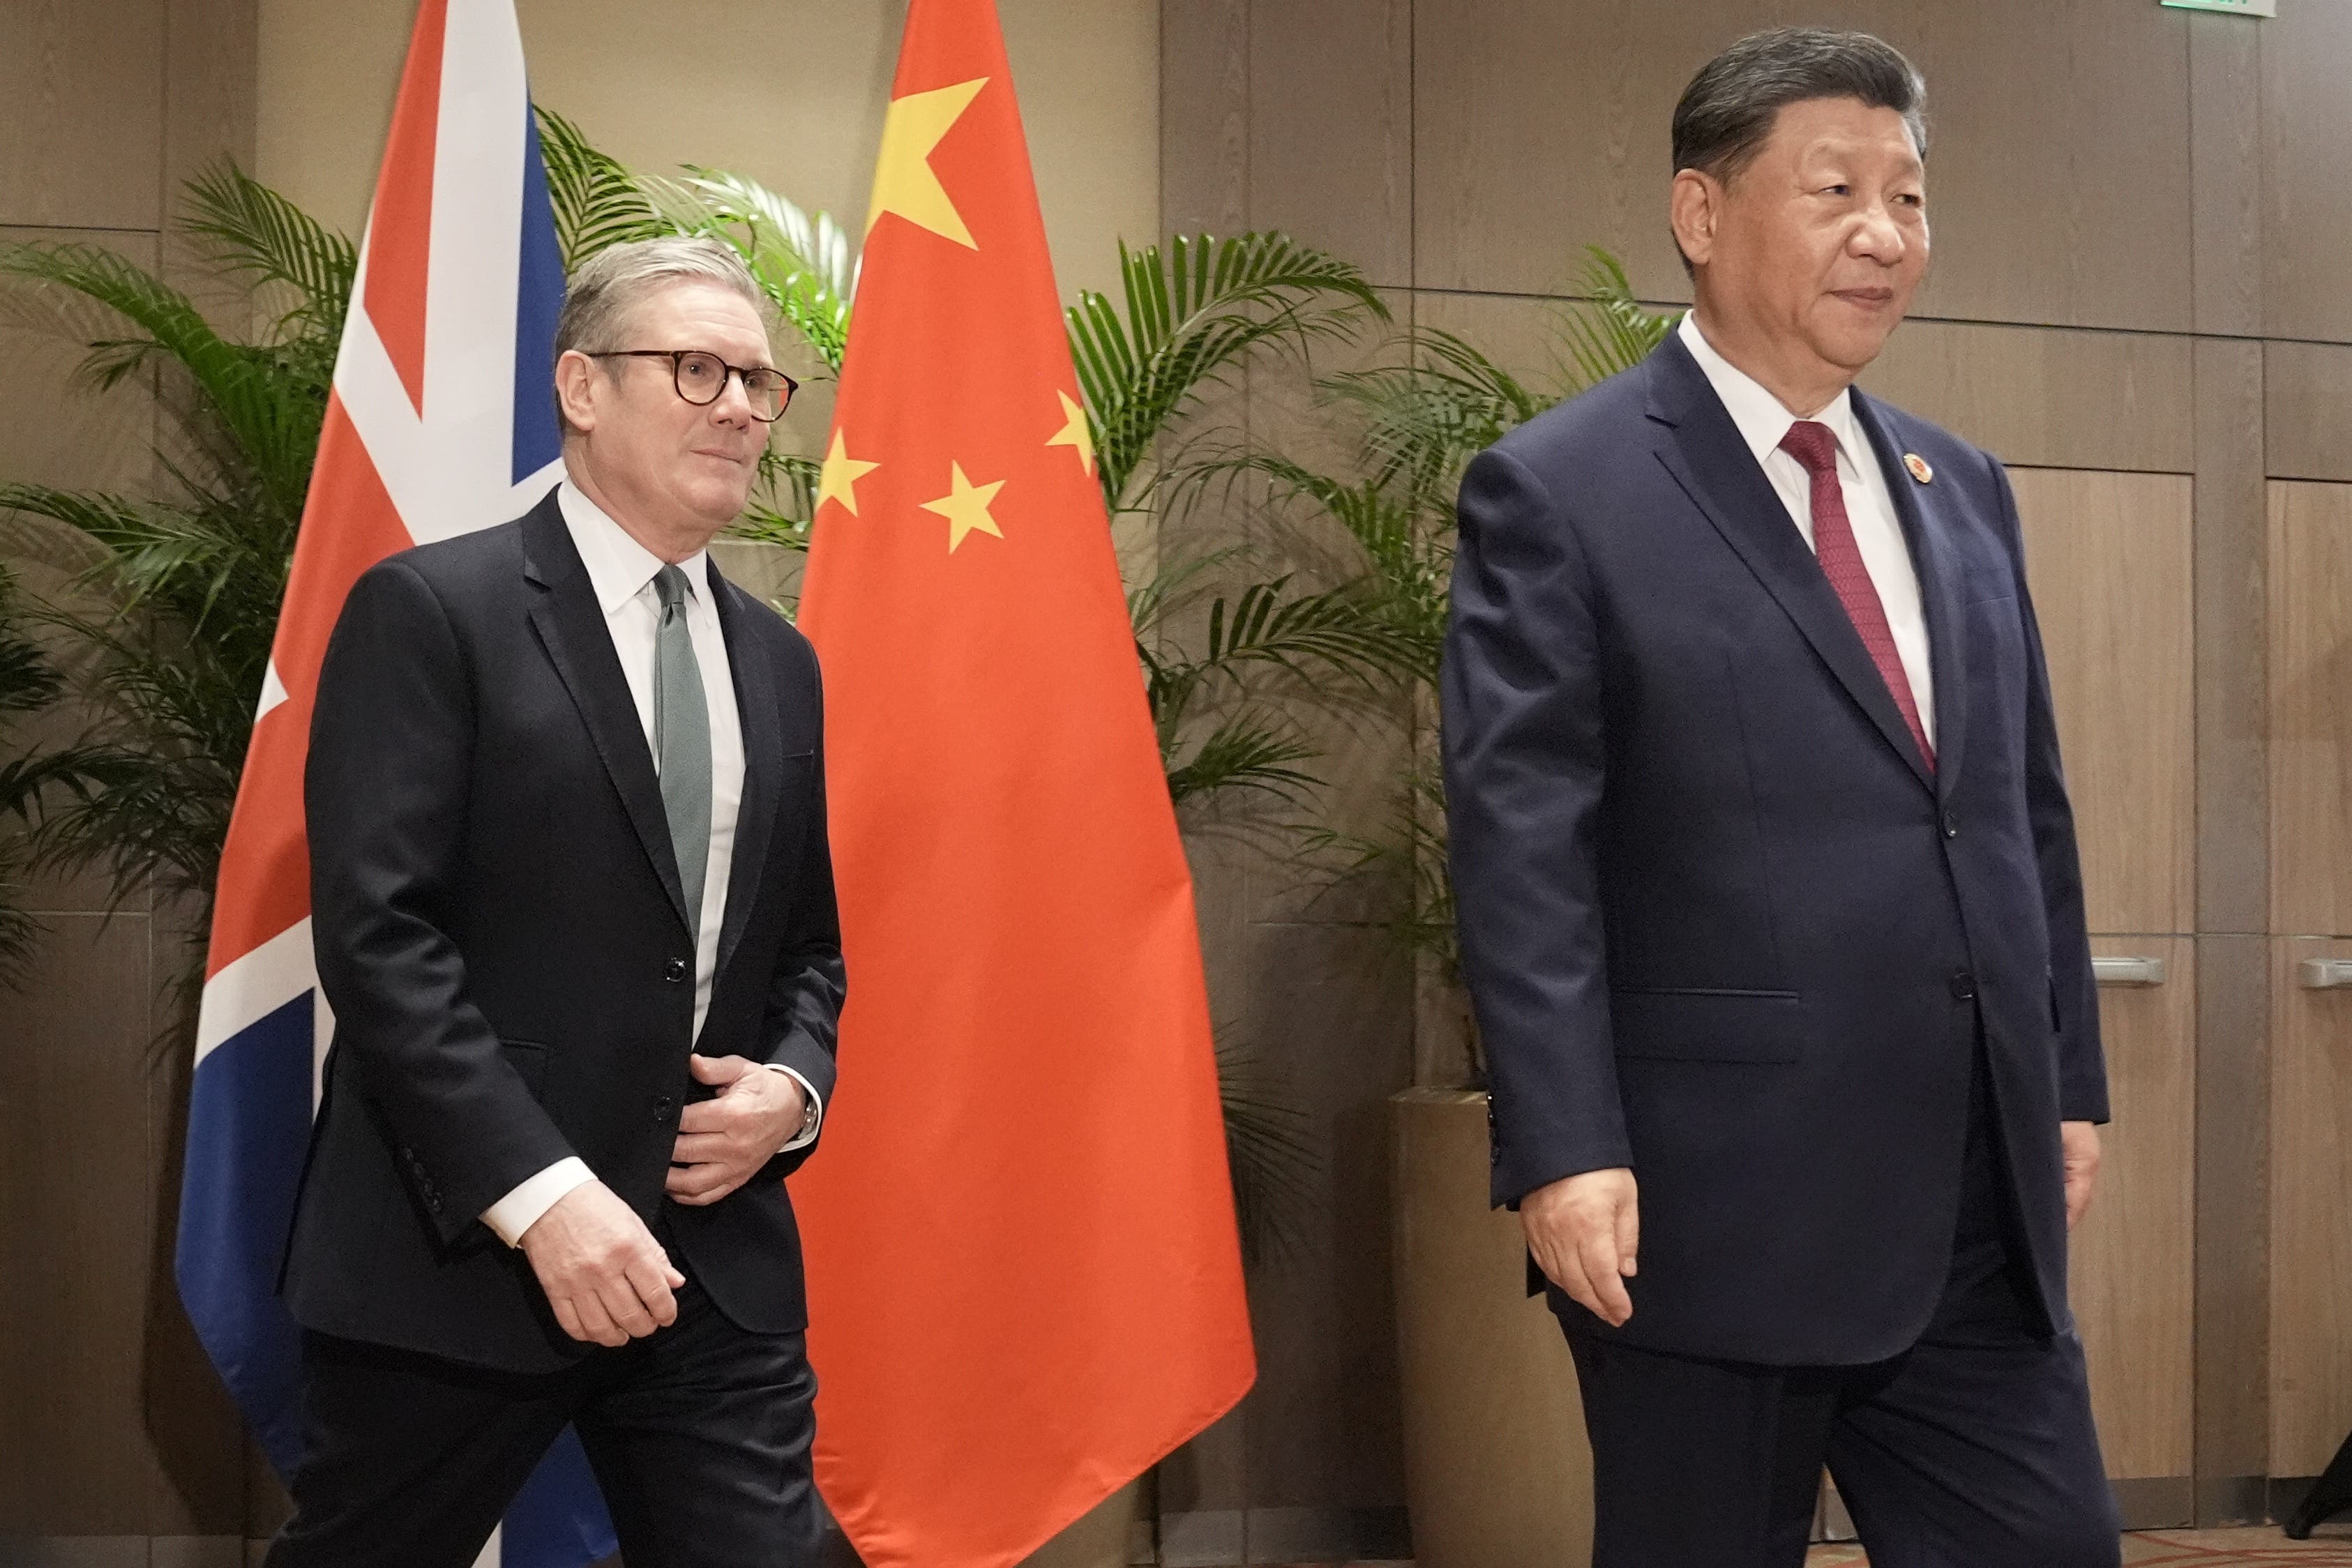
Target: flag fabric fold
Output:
[
  {"x": 1025, "y": 1282},
  {"x": 441, "y": 421}
]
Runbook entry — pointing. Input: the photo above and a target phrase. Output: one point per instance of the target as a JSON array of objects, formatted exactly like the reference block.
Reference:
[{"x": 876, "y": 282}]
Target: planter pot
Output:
[{"x": 1497, "y": 1471}]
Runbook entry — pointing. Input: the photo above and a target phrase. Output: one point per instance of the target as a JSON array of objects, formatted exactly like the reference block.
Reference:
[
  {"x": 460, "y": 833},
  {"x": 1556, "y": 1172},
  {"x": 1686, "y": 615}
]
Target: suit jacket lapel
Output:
[
  {"x": 570, "y": 627},
  {"x": 1704, "y": 452},
  {"x": 1919, "y": 508},
  {"x": 763, "y": 763}
]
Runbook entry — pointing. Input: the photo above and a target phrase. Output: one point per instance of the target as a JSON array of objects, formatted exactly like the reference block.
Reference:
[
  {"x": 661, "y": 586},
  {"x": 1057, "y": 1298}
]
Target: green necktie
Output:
[{"x": 682, "y": 742}]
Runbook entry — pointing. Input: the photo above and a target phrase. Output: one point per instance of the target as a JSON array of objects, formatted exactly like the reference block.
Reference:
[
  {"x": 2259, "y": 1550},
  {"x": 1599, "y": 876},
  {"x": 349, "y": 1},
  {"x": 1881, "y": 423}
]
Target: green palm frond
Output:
[
  {"x": 256, "y": 235},
  {"x": 1608, "y": 331},
  {"x": 1192, "y": 314},
  {"x": 1396, "y": 608},
  {"x": 804, "y": 262},
  {"x": 597, "y": 202},
  {"x": 1427, "y": 415},
  {"x": 246, "y": 411},
  {"x": 29, "y": 683},
  {"x": 783, "y": 501},
  {"x": 1253, "y": 751},
  {"x": 1274, "y": 1161}
]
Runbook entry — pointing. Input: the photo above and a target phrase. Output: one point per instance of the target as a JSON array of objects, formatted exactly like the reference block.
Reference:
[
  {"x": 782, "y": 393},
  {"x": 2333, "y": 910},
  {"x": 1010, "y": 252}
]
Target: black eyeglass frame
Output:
[{"x": 677, "y": 358}]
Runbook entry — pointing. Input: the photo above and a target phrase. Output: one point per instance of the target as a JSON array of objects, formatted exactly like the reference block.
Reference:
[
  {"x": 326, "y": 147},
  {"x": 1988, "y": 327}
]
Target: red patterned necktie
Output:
[{"x": 1813, "y": 444}]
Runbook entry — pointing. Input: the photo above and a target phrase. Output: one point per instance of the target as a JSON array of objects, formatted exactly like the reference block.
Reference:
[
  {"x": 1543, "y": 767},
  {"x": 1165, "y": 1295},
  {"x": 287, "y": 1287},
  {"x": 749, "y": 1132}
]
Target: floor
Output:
[{"x": 2332, "y": 1548}]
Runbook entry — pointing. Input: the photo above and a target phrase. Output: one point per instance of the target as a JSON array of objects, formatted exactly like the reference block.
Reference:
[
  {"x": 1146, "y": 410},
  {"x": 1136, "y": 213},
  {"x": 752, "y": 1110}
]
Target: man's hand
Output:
[
  {"x": 722, "y": 1142},
  {"x": 2080, "y": 1144},
  {"x": 1584, "y": 1232},
  {"x": 607, "y": 1277}
]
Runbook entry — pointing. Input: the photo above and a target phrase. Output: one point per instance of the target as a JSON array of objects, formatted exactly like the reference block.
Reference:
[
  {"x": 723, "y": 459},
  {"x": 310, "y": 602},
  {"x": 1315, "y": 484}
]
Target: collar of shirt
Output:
[
  {"x": 618, "y": 566},
  {"x": 1762, "y": 418}
]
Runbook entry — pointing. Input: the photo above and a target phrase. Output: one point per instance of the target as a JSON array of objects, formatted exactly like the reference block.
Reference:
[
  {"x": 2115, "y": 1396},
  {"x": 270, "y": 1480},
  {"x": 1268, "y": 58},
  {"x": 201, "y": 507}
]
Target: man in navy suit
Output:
[{"x": 1770, "y": 898}]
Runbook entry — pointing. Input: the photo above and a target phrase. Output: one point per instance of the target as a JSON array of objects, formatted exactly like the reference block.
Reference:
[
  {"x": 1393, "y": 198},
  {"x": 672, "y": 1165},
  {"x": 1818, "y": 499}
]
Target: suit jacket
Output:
[
  {"x": 1721, "y": 921},
  {"x": 502, "y": 937}
]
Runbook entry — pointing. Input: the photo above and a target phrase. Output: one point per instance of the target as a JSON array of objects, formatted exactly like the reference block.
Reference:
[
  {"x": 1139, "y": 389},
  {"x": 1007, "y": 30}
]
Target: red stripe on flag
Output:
[
  {"x": 400, "y": 226},
  {"x": 349, "y": 524}
]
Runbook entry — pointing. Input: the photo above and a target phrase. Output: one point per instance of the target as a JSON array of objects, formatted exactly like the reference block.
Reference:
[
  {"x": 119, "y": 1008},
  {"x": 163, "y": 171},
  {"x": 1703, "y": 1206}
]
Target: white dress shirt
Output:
[
  {"x": 622, "y": 573},
  {"x": 1763, "y": 420}
]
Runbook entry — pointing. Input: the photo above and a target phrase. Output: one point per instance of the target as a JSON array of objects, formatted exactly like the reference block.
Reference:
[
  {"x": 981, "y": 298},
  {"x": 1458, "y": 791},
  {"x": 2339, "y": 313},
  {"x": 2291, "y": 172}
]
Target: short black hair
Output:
[{"x": 1727, "y": 111}]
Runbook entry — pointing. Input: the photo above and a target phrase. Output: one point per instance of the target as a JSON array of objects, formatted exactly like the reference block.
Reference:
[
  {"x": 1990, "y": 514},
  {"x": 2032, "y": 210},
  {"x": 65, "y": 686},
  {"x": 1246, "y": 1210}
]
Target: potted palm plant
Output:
[{"x": 1497, "y": 1469}]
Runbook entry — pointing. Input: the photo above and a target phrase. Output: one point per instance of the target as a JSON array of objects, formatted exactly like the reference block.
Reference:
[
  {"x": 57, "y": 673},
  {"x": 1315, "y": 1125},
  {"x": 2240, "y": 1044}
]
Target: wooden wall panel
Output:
[
  {"x": 1331, "y": 1008},
  {"x": 2306, "y": 100},
  {"x": 52, "y": 430},
  {"x": 2058, "y": 181},
  {"x": 2044, "y": 398},
  {"x": 1326, "y": 75},
  {"x": 2310, "y": 737},
  {"x": 211, "y": 61},
  {"x": 81, "y": 113},
  {"x": 2234, "y": 908},
  {"x": 2311, "y": 1212},
  {"x": 2308, "y": 410},
  {"x": 2133, "y": 1261},
  {"x": 2032, "y": 396},
  {"x": 75, "y": 1208},
  {"x": 2225, "y": 184},
  {"x": 2109, "y": 561},
  {"x": 1204, "y": 122},
  {"x": 1542, "y": 128}
]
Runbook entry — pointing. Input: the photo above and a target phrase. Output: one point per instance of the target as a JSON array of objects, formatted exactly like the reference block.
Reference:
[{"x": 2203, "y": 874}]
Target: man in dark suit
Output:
[
  {"x": 1769, "y": 901},
  {"x": 573, "y": 911}
]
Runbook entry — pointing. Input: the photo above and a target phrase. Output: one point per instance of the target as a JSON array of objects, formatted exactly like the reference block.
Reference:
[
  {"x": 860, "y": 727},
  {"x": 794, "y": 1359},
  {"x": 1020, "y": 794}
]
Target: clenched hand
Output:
[
  {"x": 2079, "y": 1142},
  {"x": 1584, "y": 1231},
  {"x": 607, "y": 1277}
]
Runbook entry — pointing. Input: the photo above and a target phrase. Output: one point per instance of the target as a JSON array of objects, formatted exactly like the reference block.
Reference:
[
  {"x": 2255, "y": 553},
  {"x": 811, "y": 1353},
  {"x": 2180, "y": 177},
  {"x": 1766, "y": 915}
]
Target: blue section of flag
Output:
[
  {"x": 248, "y": 1127},
  {"x": 538, "y": 436},
  {"x": 558, "y": 1520}
]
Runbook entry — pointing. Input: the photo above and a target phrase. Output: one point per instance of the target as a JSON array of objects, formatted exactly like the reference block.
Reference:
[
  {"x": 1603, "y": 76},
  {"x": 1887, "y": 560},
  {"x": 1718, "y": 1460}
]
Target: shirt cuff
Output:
[
  {"x": 521, "y": 1208},
  {"x": 815, "y": 1125}
]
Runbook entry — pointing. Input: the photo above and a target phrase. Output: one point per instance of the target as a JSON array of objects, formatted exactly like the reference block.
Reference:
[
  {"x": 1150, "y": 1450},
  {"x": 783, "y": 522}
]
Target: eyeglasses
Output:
[{"x": 701, "y": 377}]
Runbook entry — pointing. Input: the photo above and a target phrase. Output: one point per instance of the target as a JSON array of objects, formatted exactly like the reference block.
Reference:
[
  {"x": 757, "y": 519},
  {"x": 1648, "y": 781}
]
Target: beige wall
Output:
[{"x": 790, "y": 94}]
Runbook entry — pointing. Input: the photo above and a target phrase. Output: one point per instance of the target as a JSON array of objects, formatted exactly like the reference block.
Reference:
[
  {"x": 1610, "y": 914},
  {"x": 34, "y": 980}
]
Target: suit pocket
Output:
[{"x": 1708, "y": 1025}]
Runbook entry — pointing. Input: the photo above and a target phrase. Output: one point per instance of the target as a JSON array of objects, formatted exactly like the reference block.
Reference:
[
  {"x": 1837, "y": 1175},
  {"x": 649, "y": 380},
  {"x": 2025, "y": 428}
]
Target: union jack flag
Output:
[{"x": 442, "y": 421}]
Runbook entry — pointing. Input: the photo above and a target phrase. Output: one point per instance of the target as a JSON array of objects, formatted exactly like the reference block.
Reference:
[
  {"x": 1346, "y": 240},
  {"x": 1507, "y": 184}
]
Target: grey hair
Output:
[
  {"x": 608, "y": 286},
  {"x": 1727, "y": 110}
]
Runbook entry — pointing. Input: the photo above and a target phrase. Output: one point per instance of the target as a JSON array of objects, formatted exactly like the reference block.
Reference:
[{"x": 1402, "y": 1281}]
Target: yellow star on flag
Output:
[
  {"x": 965, "y": 506},
  {"x": 837, "y": 480},
  {"x": 903, "y": 181},
  {"x": 1075, "y": 432}
]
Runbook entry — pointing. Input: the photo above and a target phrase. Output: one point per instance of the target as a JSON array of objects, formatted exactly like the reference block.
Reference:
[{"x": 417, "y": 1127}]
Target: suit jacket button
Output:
[
  {"x": 674, "y": 971},
  {"x": 662, "y": 1107},
  {"x": 1951, "y": 826},
  {"x": 1964, "y": 986}
]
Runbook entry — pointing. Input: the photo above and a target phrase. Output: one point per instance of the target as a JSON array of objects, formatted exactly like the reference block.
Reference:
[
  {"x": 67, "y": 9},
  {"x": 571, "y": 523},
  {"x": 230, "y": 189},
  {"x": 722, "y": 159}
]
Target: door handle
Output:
[
  {"x": 2327, "y": 973},
  {"x": 2130, "y": 971}
]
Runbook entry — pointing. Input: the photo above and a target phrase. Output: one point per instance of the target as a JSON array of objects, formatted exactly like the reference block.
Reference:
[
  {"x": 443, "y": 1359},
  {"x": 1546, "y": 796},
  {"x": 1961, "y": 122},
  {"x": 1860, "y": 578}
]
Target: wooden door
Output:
[{"x": 2109, "y": 561}]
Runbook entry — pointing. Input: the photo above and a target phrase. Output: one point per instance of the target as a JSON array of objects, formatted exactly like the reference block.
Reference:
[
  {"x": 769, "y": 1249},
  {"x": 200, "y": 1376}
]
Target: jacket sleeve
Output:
[
  {"x": 1521, "y": 712},
  {"x": 385, "y": 792},
  {"x": 2073, "y": 988},
  {"x": 806, "y": 990}
]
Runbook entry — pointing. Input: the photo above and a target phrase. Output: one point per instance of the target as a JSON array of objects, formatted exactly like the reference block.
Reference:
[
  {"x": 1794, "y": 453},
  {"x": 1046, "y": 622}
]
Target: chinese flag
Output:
[{"x": 1025, "y": 1284}]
